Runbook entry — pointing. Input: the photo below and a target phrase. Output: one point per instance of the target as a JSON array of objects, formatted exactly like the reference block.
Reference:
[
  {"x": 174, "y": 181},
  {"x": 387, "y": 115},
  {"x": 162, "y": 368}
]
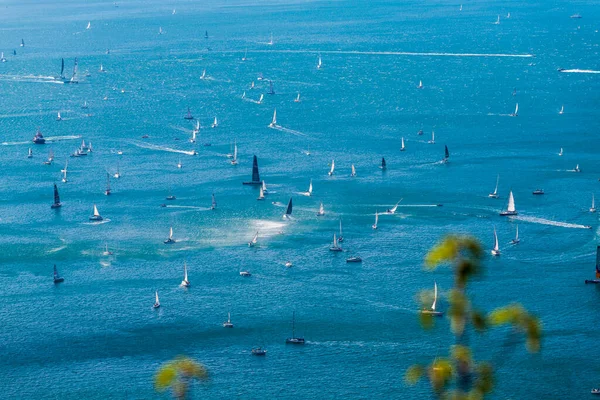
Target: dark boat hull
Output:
[
  {"x": 294, "y": 341},
  {"x": 59, "y": 280},
  {"x": 56, "y": 205},
  {"x": 508, "y": 213},
  {"x": 592, "y": 281}
]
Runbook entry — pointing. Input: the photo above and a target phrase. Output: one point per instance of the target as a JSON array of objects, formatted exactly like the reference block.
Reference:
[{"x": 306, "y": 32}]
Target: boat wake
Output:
[
  {"x": 579, "y": 71},
  {"x": 59, "y": 138},
  {"x": 57, "y": 249},
  {"x": 286, "y": 130},
  {"x": 419, "y": 205},
  {"x": 104, "y": 221},
  {"x": 189, "y": 207},
  {"x": 162, "y": 148},
  {"x": 397, "y": 53},
  {"x": 31, "y": 78},
  {"x": 14, "y": 143},
  {"x": 543, "y": 221}
]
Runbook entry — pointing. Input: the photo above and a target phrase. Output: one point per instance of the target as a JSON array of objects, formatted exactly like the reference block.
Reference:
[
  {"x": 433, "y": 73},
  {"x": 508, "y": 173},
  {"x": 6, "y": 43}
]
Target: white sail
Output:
[
  {"x": 274, "y": 121},
  {"x": 255, "y": 238},
  {"x": 264, "y": 186},
  {"x": 310, "y": 188},
  {"x": 511, "y": 202},
  {"x": 335, "y": 242},
  {"x": 271, "y": 39},
  {"x": 420, "y": 84},
  {"x": 434, "y": 296},
  {"x": 393, "y": 209},
  {"x": 96, "y": 213},
  {"x": 171, "y": 233},
  {"x": 203, "y": 74},
  {"x": 432, "y": 137},
  {"x": 353, "y": 171},
  {"x": 561, "y": 152},
  {"x": 562, "y": 110},
  {"x": 497, "y": 181},
  {"x": 235, "y": 151},
  {"x": 319, "y": 63},
  {"x": 496, "y": 246},
  {"x": 160, "y": 31},
  {"x": 297, "y": 100},
  {"x": 593, "y": 202},
  {"x": 376, "y": 220},
  {"x": 321, "y": 209},
  {"x": 497, "y": 21},
  {"x": 215, "y": 123},
  {"x": 261, "y": 194},
  {"x": 517, "y": 235},
  {"x": 185, "y": 275},
  {"x": 89, "y": 25},
  {"x": 516, "y": 110},
  {"x": 340, "y": 227},
  {"x": 402, "y": 146},
  {"x": 58, "y": 117},
  {"x": 157, "y": 303},
  {"x": 214, "y": 202},
  {"x": 261, "y": 99},
  {"x": 332, "y": 167},
  {"x": 64, "y": 171}
]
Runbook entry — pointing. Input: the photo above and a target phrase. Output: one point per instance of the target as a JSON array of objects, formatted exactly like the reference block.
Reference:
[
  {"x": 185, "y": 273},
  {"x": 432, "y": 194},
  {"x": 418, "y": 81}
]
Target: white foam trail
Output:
[
  {"x": 190, "y": 207},
  {"x": 56, "y": 250},
  {"x": 419, "y": 205},
  {"x": 398, "y": 53},
  {"x": 580, "y": 71},
  {"x": 57, "y": 138},
  {"x": 282, "y": 129},
  {"x": 278, "y": 204},
  {"x": 104, "y": 221},
  {"x": 14, "y": 143},
  {"x": 161, "y": 148},
  {"x": 543, "y": 221}
]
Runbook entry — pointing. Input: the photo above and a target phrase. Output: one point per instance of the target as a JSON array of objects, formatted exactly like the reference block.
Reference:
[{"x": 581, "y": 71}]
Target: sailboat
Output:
[
  {"x": 64, "y": 171},
  {"x": 203, "y": 76},
  {"x": 195, "y": 131},
  {"x": 228, "y": 324},
  {"x": 510, "y": 208},
  {"x": 332, "y": 168},
  {"x": 189, "y": 114},
  {"x": 560, "y": 153},
  {"x": 245, "y": 54},
  {"x": 516, "y": 240},
  {"x": 22, "y": 43},
  {"x": 297, "y": 99},
  {"x": 446, "y": 154},
  {"x": 307, "y": 151},
  {"x": 58, "y": 117},
  {"x": 89, "y": 25},
  {"x": 160, "y": 31},
  {"x": 497, "y": 21},
  {"x": 57, "y": 278},
  {"x": 393, "y": 209},
  {"x": 271, "y": 40},
  {"x": 213, "y": 205},
  {"x": 577, "y": 169},
  {"x": 294, "y": 339},
  {"x": 310, "y": 189},
  {"x": 264, "y": 187},
  {"x": 170, "y": 239},
  {"x": 496, "y": 249},
  {"x": 374, "y": 226},
  {"x": 340, "y": 238},
  {"x": 562, "y": 110},
  {"x": 321, "y": 210},
  {"x": 156, "y": 302},
  {"x": 260, "y": 99},
  {"x": 106, "y": 252},
  {"x": 494, "y": 195},
  {"x": 383, "y": 163},
  {"x": 254, "y": 240},
  {"x": 29, "y": 153},
  {"x": 420, "y": 85},
  {"x": 215, "y": 123},
  {"x": 432, "y": 141},
  {"x": 288, "y": 210},
  {"x": 101, "y": 69},
  {"x": 433, "y": 311},
  {"x": 50, "y": 158},
  {"x": 255, "y": 175},
  {"x": 244, "y": 95},
  {"x": 516, "y": 113},
  {"x": 2, "y": 58},
  {"x": 353, "y": 173},
  {"x": 107, "y": 191},
  {"x": 319, "y": 63},
  {"x": 205, "y": 34},
  {"x": 96, "y": 216},
  {"x": 261, "y": 194},
  {"x": 597, "y": 280},
  {"x": 271, "y": 90},
  {"x": 592, "y": 208},
  {"x": 185, "y": 282},
  {"x": 335, "y": 245},
  {"x": 179, "y": 165},
  {"x": 117, "y": 174},
  {"x": 402, "y": 148},
  {"x": 273, "y": 123},
  {"x": 57, "y": 203},
  {"x": 235, "y": 151}
]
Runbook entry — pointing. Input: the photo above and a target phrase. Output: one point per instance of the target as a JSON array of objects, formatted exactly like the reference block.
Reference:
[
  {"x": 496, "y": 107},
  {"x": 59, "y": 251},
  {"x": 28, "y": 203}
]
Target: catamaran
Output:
[
  {"x": 402, "y": 148},
  {"x": 353, "y": 173},
  {"x": 288, "y": 210},
  {"x": 332, "y": 168},
  {"x": 215, "y": 123},
  {"x": 592, "y": 208},
  {"x": 255, "y": 175},
  {"x": 494, "y": 195},
  {"x": 156, "y": 302},
  {"x": 393, "y": 209},
  {"x": 261, "y": 194},
  {"x": 254, "y": 240},
  {"x": 432, "y": 141},
  {"x": 374, "y": 226},
  {"x": 185, "y": 282},
  {"x": 213, "y": 205},
  {"x": 297, "y": 99},
  {"x": 170, "y": 239},
  {"x": 310, "y": 189},
  {"x": 234, "y": 160},
  {"x": 294, "y": 339},
  {"x": 273, "y": 123},
  {"x": 319, "y": 63},
  {"x": 597, "y": 280},
  {"x": 189, "y": 114},
  {"x": 510, "y": 208},
  {"x": 57, "y": 203},
  {"x": 228, "y": 324},
  {"x": 516, "y": 240},
  {"x": 321, "y": 210},
  {"x": 562, "y": 110},
  {"x": 335, "y": 245},
  {"x": 57, "y": 278},
  {"x": 383, "y": 163},
  {"x": 107, "y": 191},
  {"x": 496, "y": 249},
  {"x": 433, "y": 311},
  {"x": 516, "y": 113},
  {"x": 96, "y": 216},
  {"x": 64, "y": 172},
  {"x": 29, "y": 153},
  {"x": 340, "y": 237}
]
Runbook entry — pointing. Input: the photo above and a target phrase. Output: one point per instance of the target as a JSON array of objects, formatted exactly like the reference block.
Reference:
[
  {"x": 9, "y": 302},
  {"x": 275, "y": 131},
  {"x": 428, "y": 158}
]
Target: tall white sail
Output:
[
  {"x": 511, "y": 202},
  {"x": 171, "y": 233},
  {"x": 332, "y": 167},
  {"x": 157, "y": 303},
  {"x": 96, "y": 213},
  {"x": 353, "y": 171},
  {"x": 434, "y": 296},
  {"x": 321, "y": 209},
  {"x": 274, "y": 121},
  {"x": 402, "y": 146},
  {"x": 310, "y": 188},
  {"x": 496, "y": 246},
  {"x": 497, "y": 181}
]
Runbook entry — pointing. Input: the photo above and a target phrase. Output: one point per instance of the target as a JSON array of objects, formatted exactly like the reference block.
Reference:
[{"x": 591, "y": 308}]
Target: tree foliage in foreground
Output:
[
  {"x": 177, "y": 375},
  {"x": 459, "y": 375}
]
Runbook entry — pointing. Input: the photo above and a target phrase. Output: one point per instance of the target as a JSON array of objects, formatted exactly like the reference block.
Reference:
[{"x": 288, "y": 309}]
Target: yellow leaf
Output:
[{"x": 165, "y": 377}]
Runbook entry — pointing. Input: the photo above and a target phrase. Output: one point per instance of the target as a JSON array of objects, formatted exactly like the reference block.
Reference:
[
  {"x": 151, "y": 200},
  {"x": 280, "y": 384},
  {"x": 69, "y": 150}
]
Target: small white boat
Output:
[
  {"x": 215, "y": 123},
  {"x": 496, "y": 249},
  {"x": 228, "y": 324},
  {"x": 560, "y": 153},
  {"x": 245, "y": 273},
  {"x": 510, "y": 207},
  {"x": 288, "y": 264},
  {"x": 273, "y": 123},
  {"x": 89, "y": 25},
  {"x": 402, "y": 148},
  {"x": 319, "y": 63},
  {"x": 321, "y": 210},
  {"x": 516, "y": 240},
  {"x": 185, "y": 282},
  {"x": 393, "y": 209},
  {"x": 420, "y": 85},
  {"x": 254, "y": 240},
  {"x": 593, "y": 207},
  {"x": 156, "y": 301},
  {"x": 335, "y": 245},
  {"x": 562, "y": 110},
  {"x": 245, "y": 54},
  {"x": 330, "y": 173},
  {"x": 494, "y": 194},
  {"x": 577, "y": 169},
  {"x": 58, "y": 117},
  {"x": 29, "y": 153},
  {"x": 106, "y": 252},
  {"x": 64, "y": 172},
  {"x": 170, "y": 239},
  {"x": 297, "y": 99},
  {"x": 261, "y": 194},
  {"x": 497, "y": 21},
  {"x": 353, "y": 173},
  {"x": 432, "y": 141},
  {"x": 433, "y": 311},
  {"x": 374, "y": 226},
  {"x": 96, "y": 216},
  {"x": 310, "y": 189},
  {"x": 117, "y": 174},
  {"x": 516, "y": 113}
]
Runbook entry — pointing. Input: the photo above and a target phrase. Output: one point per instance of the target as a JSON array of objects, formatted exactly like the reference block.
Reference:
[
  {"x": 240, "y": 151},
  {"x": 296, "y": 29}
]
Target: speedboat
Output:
[
  {"x": 171, "y": 197},
  {"x": 39, "y": 138},
  {"x": 259, "y": 351},
  {"x": 353, "y": 259},
  {"x": 228, "y": 324},
  {"x": 245, "y": 273},
  {"x": 538, "y": 191},
  {"x": 595, "y": 391}
]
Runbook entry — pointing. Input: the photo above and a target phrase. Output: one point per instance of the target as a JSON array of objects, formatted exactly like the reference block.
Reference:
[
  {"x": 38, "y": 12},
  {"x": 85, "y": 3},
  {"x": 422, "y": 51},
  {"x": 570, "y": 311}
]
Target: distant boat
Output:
[
  {"x": 185, "y": 282},
  {"x": 271, "y": 90},
  {"x": 245, "y": 274},
  {"x": 374, "y": 226},
  {"x": 215, "y": 123},
  {"x": 319, "y": 63},
  {"x": 420, "y": 85},
  {"x": 273, "y": 123},
  {"x": 432, "y": 141},
  {"x": 254, "y": 240},
  {"x": 496, "y": 249},
  {"x": 245, "y": 54},
  {"x": 516, "y": 113},
  {"x": 261, "y": 194},
  {"x": 420, "y": 132},
  {"x": 258, "y": 351},
  {"x": 252, "y": 85},
  {"x": 433, "y": 311},
  {"x": 497, "y": 21},
  {"x": 288, "y": 264},
  {"x": 460, "y": 9},
  {"x": 575, "y": 16},
  {"x": 538, "y": 192},
  {"x": 494, "y": 195},
  {"x": 205, "y": 34},
  {"x": 310, "y": 189},
  {"x": 508, "y": 15},
  {"x": 255, "y": 175},
  {"x": 64, "y": 172},
  {"x": 332, "y": 168},
  {"x": 560, "y": 153},
  {"x": 195, "y": 131},
  {"x": 179, "y": 165},
  {"x": 228, "y": 324},
  {"x": 353, "y": 173},
  {"x": 101, "y": 69},
  {"x": 50, "y": 158},
  {"x": 340, "y": 237},
  {"x": 321, "y": 210},
  {"x": 562, "y": 110},
  {"x": 89, "y": 25},
  {"x": 107, "y": 191},
  {"x": 297, "y": 99},
  {"x": 592, "y": 208},
  {"x": 156, "y": 302},
  {"x": 294, "y": 339},
  {"x": 189, "y": 114},
  {"x": 213, "y": 205},
  {"x": 234, "y": 160},
  {"x": 516, "y": 240},
  {"x": 96, "y": 216},
  {"x": 117, "y": 174},
  {"x": 446, "y": 154},
  {"x": 335, "y": 245},
  {"x": 57, "y": 278},
  {"x": 354, "y": 259},
  {"x": 402, "y": 148},
  {"x": 174, "y": 11},
  {"x": 170, "y": 239},
  {"x": 57, "y": 203},
  {"x": 510, "y": 207},
  {"x": 29, "y": 153},
  {"x": 39, "y": 138},
  {"x": 597, "y": 280},
  {"x": 307, "y": 151},
  {"x": 288, "y": 210},
  {"x": 270, "y": 40},
  {"x": 58, "y": 117},
  {"x": 22, "y": 43},
  {"x": 106, "y": 252},
  {"x": 383, "y": 163},
  {"x": 160, "y": 31},
  {"x": 260, "y": 99},
  {"x": 393, "y": 209},
  {"x": 264, "y": 187},
  {"x": 577, "y": 169}
]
